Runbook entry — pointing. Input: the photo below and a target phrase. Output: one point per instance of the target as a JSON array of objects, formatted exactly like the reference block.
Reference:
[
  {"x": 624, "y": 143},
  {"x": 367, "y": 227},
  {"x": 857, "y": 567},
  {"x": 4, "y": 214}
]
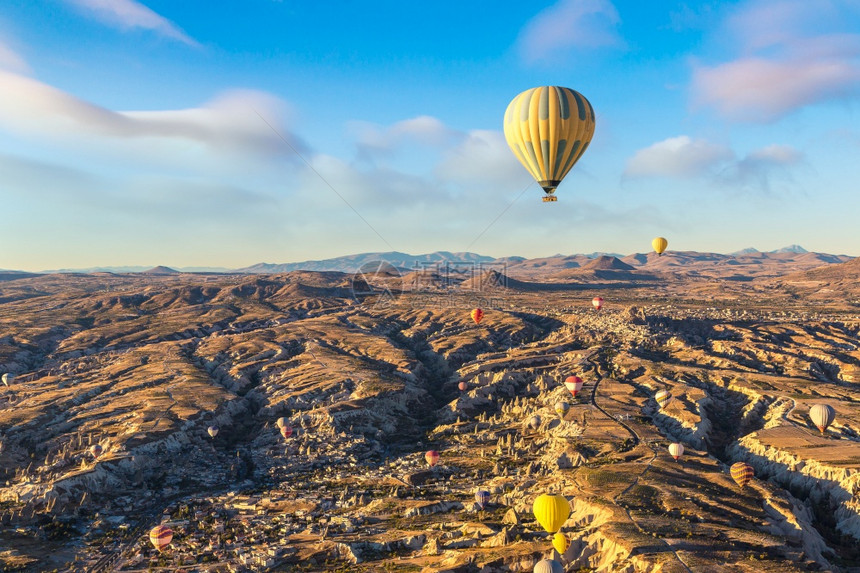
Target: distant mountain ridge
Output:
[{"x": 405, "y": 262}]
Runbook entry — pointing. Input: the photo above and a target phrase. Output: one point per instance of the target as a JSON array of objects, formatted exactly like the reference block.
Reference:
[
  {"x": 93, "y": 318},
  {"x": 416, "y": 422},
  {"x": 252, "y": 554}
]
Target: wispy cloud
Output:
[
  {"x": 568, "y": 25},
  {"x": 11, "y": 60},
  {"x": 793, "y": 53},
  {"x": 227, "y": 123},
  {"x": 374, "y": 140},
  {"x": 686, "y": 158},
  {"x": 128, "y": 14},
  {"x": 680, "y": 157}
]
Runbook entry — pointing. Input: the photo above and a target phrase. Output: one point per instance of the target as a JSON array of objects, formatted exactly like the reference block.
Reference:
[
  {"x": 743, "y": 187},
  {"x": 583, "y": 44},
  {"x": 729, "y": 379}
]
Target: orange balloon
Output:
[{"x": 477, "y": 315}]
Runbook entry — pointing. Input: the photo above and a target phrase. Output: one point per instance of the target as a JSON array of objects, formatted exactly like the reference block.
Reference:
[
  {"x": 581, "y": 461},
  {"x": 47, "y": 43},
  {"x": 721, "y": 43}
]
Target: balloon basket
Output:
[{"x": 549, "y": 199}]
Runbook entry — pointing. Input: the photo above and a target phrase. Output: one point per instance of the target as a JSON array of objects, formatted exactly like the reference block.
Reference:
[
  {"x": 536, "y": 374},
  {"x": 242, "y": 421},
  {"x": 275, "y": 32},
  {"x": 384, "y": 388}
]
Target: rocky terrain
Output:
[{"x": 367, "y": 371}]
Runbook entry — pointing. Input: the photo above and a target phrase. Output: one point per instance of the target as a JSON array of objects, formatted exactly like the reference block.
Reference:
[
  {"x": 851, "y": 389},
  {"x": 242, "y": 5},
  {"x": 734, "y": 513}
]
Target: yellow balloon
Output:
[
  {"x": 659, "y": 244},
  {"x": 551, "y": 511},
  {"x": 560, "y": 542},
  {"x": 548, "y": 129}
]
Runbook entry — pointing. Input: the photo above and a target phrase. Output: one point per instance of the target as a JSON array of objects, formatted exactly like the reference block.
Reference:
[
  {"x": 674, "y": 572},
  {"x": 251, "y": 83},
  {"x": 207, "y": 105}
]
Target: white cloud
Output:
[
  {"x": 128, "y": 14},
  {"x": 228, "y": 123},
  {"x": 793, "y": 53},
  {"x": 567, "y": 25},
  {"x": 686, "y": 158},
  {"x": 677, "y": 157},
  {"x": 373, "y": 141},
  {"x": 482, "y": 155}
]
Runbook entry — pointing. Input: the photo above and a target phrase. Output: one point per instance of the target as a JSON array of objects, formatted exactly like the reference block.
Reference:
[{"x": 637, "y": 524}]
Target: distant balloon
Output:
[
  {"x": 659, "y": 244},
  {"x": 282, "y": 422},
  {"x": 551, "y": 511},
  {"x": 161, "y": 536},
  {"x": 482, "y": 498},
  {"x": 822, "y": 416},
  {"x": 663, "y": 397},
  {"x": 573, "y": 384},
  {"x": 432, "y": 458},
  {"x": 562, "y": 408},
  {"x": 286, "y": 431},
  {"x": 742, "y": 473},
  {"x": 463, "y": 386},
  {"x": 213, "y": 431},
  {"x": 597, "y": 302},
  {"x": 560, "y": 542},
  {"x": 96, "y": 450},
  {"x": 534, "y": 422},
  {"x": 676, "y": 450},
  {"x": 477, "y": 315},
  {"x": 548, "y": 566},
  {"x": 7, "y": 378},
  {"x": 548, "y": 128}
]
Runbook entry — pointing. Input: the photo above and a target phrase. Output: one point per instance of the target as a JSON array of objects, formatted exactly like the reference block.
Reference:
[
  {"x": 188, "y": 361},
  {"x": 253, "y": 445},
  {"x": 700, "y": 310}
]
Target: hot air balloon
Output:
[
  {"x": 477, "y": 315},
  {"x": 534, "y": 422},
  {"x": 432, "y": 457},
  {"x": 282, "y": 422},
  {"x": 742, "y": 473},
  {"x": 597, "y": 302},
  {"x": 659, "y": 244},
  {"x": 213, "y": 431},
  {"x": 676, "y": 450},
  {"x": 160, "y": 536},
  {"x": 573, "y": 384},
  {"x": 482, "y": 498},
  {"x": 549, "y": 128},
  {"x": 463, "y": 386},
  {"x": 96, "y": 450},
  {"x": 822, "y": 416},
  {"x": 286, "y": 431},
  {"x": 7, "y": 378},
  {"x": 548, "y": 566},
  {"x": 561, "y": 408},
  {"x": 560, "y": 542},
  {"x": 551, "y": 511},
  {"x": 663, "y": 397}
]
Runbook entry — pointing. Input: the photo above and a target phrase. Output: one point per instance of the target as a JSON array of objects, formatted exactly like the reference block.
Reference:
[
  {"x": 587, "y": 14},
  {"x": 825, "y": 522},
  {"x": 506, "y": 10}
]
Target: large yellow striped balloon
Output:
[
  {"x": 551, "y": 511},
  {"x": 548, "y": 129}
]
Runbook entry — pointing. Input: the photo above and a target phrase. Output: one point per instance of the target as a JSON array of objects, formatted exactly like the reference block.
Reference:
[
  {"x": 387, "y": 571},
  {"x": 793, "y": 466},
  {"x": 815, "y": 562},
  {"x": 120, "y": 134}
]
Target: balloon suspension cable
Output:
[
  {"x": 323, "y": 179},
  {"x": 505, "y": 210}
]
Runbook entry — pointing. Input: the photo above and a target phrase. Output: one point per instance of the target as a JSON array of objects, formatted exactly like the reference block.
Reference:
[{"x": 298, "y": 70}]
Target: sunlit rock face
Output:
[{"x": 143, "y": 365}]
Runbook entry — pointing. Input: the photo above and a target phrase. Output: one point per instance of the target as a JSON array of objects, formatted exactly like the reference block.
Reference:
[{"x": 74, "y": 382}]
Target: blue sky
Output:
[{"x": 202, "y": 133}]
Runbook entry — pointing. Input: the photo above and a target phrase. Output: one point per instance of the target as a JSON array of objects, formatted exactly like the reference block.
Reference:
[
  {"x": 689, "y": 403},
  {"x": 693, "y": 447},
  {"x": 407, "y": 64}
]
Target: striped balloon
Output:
[
  {"x": 432, "y": 458},
  {"x": 742, "y": 473},
  {"x": 676, "y": 450},
  {"x": 161, "y": 536},
  {"x": 477, "y": 315},
  {"x": 573, "y": 384},
  {"x": 549, "y": 128},
  {"x": 822, "y": 416},
  {"x": 482, "y": 498},
  {"x": 562, "y": 408},
  {"x": 548, "y": 566},
  {"x": 663, "y": 397}
]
